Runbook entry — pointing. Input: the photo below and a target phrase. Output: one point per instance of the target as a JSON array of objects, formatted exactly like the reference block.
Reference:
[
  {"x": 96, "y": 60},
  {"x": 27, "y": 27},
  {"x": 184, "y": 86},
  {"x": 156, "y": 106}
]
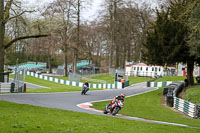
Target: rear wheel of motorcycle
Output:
[{"x": 115, "y": 111}]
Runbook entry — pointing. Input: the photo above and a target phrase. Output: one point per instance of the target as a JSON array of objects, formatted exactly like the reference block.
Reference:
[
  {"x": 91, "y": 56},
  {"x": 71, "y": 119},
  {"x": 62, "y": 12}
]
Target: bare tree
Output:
[
  {"x": 5, "y": 16},
  {"x": 62, "y": 11}
]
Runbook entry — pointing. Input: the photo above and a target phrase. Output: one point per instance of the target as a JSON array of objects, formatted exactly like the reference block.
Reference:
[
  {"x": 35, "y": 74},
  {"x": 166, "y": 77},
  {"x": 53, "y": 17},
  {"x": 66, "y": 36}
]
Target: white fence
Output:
[{"x": 5, "y": 87}]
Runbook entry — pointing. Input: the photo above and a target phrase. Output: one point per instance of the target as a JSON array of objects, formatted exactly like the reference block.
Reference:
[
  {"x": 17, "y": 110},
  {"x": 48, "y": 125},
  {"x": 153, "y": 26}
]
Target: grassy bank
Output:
[
  {"x": 171, "y": 78},
  {"x": 149, "y": 106},
  {"x": 52, "y": 86},
  {"x": 110, "y": 79},
  {"x": 193, "y": 94},
  {"x": 18, "y": 118}
]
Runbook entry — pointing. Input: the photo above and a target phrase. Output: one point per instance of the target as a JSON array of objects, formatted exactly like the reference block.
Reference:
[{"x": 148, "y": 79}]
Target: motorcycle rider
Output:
[
  {"x": 85, "y": 87},
  {"x": 87, "y": 84},
  {"x": 120, "y": 97}
]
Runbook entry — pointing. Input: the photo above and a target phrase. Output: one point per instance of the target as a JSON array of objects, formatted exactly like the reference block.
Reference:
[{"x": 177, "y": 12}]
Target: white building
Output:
[
  {"x": 145, "y": 70},
  {"x": 182, "y": 70}
]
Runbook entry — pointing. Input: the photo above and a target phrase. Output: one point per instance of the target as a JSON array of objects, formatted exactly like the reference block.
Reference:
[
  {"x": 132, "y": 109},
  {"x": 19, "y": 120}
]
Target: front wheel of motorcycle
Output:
[
  {"x": 82, "y": 92},
  {"x": 105, "y": 111},
  {"x": 115, "y": 111}
]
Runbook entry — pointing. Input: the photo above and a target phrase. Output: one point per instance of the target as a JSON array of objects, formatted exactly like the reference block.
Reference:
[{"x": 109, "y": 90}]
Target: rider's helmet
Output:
[{"x": 123, "y": 95}]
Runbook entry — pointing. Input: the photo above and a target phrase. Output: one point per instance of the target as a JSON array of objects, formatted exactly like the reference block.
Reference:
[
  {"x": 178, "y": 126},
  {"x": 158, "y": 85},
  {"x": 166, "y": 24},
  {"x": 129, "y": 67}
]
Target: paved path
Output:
[{"x": 70, "y": 100}]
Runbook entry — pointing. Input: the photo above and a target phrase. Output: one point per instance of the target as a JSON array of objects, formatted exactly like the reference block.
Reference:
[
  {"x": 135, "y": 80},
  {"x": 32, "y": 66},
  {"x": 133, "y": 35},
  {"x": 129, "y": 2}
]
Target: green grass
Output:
[
  {"x": 171, "y": 78},
  {"x": 106, "y": 77},
  {"x": 149, "y": 106},
  {"x": 52, "y": 86},
  {"x": 193, "y": 94},
  {"x": 19, "y": 118},
  {"x": 61, "y": 77},
  {"x": 134, "y": 80},
  {"x": 110, "y": 79}
]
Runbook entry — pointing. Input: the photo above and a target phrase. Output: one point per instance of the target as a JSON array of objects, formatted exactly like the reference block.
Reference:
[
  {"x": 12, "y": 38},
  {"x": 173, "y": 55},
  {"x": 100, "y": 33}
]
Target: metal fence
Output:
[
  {"x": 74, "y": 77},
  {"x": 113, "y": 71},
  {"x": 19, "y": 79}
]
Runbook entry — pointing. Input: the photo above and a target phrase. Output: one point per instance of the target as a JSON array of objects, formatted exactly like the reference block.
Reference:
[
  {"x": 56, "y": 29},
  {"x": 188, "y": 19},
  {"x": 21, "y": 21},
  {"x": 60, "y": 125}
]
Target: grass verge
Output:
[
  {"x": 171, "y": 78},
  {"x": 149, "y": 106},
  {"x": 193, "y": 94},
  {"x": 110, "y": 79},
  {"x": 19, "y": 118},
  {"x": 52, "y": 86},
  {"x": 134, "y": 80}
]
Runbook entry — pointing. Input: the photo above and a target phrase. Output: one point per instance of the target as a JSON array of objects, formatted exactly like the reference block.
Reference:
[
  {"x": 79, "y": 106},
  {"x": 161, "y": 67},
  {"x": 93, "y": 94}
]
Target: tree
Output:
[
  {"x": 167, "y": 41},
  {"x": 5, "y": 8},
  {"x": 125, "y": 24},
  {"x": 62, "y": 12},
  {"x": 194, "y": 29}
]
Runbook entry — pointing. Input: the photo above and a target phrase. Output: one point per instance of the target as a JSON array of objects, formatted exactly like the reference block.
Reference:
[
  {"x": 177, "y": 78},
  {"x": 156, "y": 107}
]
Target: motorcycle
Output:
[
  {"x": 84, "y": 89},
  {"x": 114, "y": 109}
]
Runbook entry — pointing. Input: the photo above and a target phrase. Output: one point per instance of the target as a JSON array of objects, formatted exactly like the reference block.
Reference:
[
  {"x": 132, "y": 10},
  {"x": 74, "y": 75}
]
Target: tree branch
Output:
[
  {"x": 21, "y": 38},
  {"x": 7, "y": 9},
  {"x": 9, "y": 18}
]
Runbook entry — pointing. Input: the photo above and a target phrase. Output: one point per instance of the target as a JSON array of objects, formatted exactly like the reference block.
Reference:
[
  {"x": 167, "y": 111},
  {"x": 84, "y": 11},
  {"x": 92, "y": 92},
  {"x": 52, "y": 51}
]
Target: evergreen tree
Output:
[{"x": 168, "y": 40}]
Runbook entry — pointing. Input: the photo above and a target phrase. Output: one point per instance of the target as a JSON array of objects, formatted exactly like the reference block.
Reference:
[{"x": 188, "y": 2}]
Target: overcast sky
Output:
[{"x": 89, "y": 13}]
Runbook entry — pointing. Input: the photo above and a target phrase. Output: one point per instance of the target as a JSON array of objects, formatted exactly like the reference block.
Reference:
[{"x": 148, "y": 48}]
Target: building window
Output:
[
  {"x": 146, "y": 68},
  {"x": 152, "y": 68}
]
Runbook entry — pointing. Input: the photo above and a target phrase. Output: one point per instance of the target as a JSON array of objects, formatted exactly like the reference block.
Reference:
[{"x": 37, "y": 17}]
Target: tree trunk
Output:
[
  {"x": 2, "y": 33},
  {"x": 78, "y": 38},
  {"x": 190, "y": 69},
  {"x": 75, "y": 61},
  {"x": 129, "y": 52},
  {"x": 49, "y": 64},
  {"x": 117, "y": 56},
  {"x": 66, "y": 61}
]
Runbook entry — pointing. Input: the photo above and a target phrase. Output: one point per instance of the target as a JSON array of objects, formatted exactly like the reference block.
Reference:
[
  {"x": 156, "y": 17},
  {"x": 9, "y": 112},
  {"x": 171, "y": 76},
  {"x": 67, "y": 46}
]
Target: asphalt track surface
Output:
[{"x": 74, "y": 101}]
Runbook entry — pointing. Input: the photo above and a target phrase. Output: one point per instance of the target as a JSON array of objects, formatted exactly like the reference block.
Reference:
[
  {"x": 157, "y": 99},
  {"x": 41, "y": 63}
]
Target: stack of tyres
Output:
[
  {"x": 199, "y": 111},
  {"x": 165, "y": 90},
  {"x": 198, "y": 79},
  {"x": 170, "y": 98}
]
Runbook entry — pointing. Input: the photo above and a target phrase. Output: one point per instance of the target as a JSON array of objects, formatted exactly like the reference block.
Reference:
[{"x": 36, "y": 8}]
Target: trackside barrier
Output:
[
  {"x": 158, "y": 84},
  {"x": 116, "y": 85},
  {"x": 186, "y": 107},
  {"x": 5, "y": 87}
]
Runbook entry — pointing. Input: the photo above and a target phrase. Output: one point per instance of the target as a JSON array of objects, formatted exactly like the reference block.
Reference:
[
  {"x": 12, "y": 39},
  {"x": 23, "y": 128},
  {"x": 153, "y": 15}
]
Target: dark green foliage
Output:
[
  {"x": 194, "y": 30},
  {"x": 166, "y": 41},
  {"x": 174, "y": 37}
]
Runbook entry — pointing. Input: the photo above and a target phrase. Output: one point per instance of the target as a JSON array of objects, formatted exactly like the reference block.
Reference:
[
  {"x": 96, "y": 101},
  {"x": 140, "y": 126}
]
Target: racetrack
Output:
[{"x": 70, "y": 100}]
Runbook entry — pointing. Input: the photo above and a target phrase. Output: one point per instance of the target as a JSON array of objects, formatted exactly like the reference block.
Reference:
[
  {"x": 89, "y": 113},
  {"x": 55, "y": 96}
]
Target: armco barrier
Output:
[
  {"x": 186, "y": 107},
  {"x": 116, "y": 85}
]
